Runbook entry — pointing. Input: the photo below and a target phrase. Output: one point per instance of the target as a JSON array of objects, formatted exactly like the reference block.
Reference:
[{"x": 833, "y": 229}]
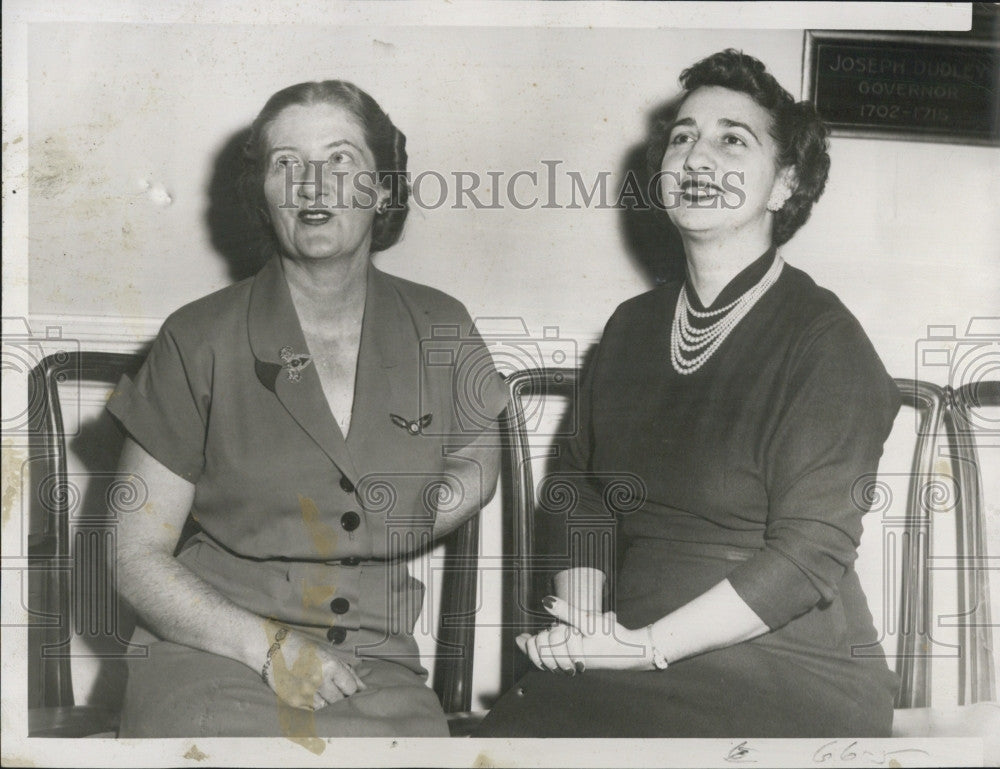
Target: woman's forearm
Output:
[
  {"x": 715, "y": 619},
  {"x": 179, "y": 606}
]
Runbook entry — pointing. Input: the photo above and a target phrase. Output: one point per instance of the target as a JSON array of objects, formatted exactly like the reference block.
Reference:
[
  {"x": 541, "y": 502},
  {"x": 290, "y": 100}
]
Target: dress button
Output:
[
  {"x": 336, "y": 635},
  {"x": 340, "y": 605},
  {"x": 346, "y": 485},
  {"x": 350, "y": 521},
  {"x": 350, "y": 561}
]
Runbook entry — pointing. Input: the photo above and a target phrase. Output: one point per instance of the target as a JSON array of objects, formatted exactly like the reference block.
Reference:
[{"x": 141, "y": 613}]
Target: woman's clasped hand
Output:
[
  {"x": 583, "y": 640},
  {"x": 306, "y": 675}
]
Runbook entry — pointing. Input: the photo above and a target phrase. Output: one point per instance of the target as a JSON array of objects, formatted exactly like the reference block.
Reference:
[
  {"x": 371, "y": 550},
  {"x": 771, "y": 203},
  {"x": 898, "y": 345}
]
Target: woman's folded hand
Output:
[
  {"x": 585, "y": 640},
  {"x": 306, "y": 675}
]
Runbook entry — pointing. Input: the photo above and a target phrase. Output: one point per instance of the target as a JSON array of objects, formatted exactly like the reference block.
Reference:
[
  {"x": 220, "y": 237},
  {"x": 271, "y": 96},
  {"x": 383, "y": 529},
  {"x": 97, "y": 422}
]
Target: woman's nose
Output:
[
  {"x": 311, "y": 183},
  {"x": 699, "y": 157}
]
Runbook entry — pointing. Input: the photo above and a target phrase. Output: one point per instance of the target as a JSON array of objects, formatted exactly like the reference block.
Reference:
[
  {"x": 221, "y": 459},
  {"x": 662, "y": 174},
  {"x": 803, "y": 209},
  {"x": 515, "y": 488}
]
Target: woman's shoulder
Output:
[
  {"x": 645, "y": 309},
  {"x": 425, "y": 300},
  {"x": 213, "y": 314},
  {"x": 815, "y": 311},
  {"x": 826, "y": 334}
]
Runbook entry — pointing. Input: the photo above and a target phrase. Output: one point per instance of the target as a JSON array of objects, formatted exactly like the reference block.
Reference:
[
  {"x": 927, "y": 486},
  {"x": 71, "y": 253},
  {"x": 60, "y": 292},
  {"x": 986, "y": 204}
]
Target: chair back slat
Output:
[
  {"x": 528, "y": 383},
  {"x": 915, "y": 593},
  {"x": 456, "y": 637},
  {"x": 977, "y": 681},
  {"x": 51, "y": 551}
]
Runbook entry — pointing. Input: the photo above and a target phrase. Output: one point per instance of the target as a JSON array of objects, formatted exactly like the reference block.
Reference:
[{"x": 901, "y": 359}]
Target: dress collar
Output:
[
  {"x": 273, "y": 323},
  {"x": 742, "y": 282},
  {"x": 283, "y": 366}
]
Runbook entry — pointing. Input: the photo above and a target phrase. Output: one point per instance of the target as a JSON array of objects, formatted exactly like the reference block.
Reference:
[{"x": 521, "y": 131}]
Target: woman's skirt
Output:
[
  {"x": 177, "y": 691},
  {"x": 821, "y": 675}
]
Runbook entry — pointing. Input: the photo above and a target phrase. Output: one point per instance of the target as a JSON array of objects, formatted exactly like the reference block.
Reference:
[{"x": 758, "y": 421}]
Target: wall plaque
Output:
[{"x": 885, "y": 85}]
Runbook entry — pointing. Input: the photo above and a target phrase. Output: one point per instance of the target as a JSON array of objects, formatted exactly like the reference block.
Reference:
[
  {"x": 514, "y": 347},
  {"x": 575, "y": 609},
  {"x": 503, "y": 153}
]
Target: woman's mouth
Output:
[
  {"x": 314, "y": 217},
  {"x": 700, "y": 192}
]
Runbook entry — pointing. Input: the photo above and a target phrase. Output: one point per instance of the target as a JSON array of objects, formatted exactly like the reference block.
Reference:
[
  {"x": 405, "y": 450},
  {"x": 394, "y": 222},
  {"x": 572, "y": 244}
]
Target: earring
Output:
[
  {"x": 382, "y": 206},
  {"x": 778, "y": 199}
]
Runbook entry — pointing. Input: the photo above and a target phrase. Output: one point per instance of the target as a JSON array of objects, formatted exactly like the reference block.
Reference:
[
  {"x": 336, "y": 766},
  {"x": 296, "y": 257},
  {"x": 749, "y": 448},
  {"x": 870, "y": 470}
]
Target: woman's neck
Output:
[
  {"x": 712, "y": 264},
  {"x": 328, "y": 294}
]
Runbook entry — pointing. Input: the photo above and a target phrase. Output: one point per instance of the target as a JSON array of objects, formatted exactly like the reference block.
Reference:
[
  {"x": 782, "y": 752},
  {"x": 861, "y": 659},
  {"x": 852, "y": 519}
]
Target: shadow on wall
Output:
[
  {"x": 238, "y": 234},
  {"x": 102, "y": 622},
  {"x": 650, "y": 237}
]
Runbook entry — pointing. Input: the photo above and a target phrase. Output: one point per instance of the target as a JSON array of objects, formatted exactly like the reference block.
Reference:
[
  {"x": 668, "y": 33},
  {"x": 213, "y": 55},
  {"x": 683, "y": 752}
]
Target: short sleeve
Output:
[
  {"x": 837, "y": 411},
  {"x": 165, "y": 407},
  {"x": 478, "y": 392}
]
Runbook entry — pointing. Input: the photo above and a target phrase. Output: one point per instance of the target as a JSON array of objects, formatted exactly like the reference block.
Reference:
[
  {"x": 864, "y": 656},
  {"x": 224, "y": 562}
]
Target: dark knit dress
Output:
[{"x": 749, "y": 466}]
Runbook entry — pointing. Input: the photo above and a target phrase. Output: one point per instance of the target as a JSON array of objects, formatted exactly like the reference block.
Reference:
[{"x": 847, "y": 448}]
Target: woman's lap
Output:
[
  {"x": 741, "y": 691},
  {"x": 181, "y": 692}
]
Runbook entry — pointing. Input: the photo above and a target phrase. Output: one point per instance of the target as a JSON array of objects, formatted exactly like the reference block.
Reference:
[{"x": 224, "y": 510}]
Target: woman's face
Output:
[
  {"x": 720, "y": 165},
  {"x": 319, "y": 183}
]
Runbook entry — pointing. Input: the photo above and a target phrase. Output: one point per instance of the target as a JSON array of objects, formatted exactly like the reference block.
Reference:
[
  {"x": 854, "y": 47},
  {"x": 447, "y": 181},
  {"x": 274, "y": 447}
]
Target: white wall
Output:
[
  {"x": 125, "y": 123},
  {"x": 116, "y": 108},
  {"x": 124, "y": 118}
]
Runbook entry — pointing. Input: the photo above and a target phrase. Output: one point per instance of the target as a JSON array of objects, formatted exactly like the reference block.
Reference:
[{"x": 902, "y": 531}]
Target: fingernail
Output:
[
  {"x": 580, "y": 667},
  {"x": 548, "y": 602}
]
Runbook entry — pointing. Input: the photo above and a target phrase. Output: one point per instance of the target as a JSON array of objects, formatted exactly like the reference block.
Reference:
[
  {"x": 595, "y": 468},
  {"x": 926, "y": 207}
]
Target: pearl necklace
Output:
[{"x": 690, "y": 347}]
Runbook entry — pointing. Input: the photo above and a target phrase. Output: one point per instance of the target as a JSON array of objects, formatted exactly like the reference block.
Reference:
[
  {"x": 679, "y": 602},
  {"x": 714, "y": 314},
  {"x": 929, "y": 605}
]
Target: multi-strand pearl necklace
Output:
[{"x": 690, "y": 347}]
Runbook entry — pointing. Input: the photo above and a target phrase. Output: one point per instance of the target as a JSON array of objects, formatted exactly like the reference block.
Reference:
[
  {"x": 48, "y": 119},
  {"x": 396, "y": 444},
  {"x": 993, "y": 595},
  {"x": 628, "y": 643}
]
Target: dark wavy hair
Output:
[
  {"x": 796, "y": 127},
  {"x": 386, "y": 142}
]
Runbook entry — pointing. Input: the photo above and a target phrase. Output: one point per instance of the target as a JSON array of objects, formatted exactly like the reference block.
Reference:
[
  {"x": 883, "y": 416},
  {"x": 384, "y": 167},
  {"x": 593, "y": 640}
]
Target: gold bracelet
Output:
[
  {"x": 272, "y": 650},
  {"x": 659, "y": 661}
]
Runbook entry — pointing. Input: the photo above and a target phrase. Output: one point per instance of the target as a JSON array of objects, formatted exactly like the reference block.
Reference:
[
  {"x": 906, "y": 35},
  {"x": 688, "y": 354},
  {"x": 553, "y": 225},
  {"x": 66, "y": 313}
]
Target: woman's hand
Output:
[
  {"x": 306, "y": 675},
  {"x": 583, "y": 640}
]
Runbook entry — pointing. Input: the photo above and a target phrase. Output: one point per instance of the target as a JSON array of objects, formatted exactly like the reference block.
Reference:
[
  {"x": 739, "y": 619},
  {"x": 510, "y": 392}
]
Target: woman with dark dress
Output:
[
  {"x": 749, "y": 401},
  {"x": 295, "y": 418}
]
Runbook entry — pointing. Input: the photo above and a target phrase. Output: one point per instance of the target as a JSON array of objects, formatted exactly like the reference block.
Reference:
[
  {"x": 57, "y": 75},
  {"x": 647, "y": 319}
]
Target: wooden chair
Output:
[
  {"x": 528, "y": 570},
  {"x": 943, "y": 421},
  {"x": 950, "y": 414},
  {"x": 72, "y": 587},
  {"x": 55, "y": 569}
]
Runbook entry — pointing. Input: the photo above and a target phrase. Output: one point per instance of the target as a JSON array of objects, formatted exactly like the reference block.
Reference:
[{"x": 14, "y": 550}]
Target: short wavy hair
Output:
[
  {"x": 386, "y": 142},
  {"x": 796, "y": 127}
]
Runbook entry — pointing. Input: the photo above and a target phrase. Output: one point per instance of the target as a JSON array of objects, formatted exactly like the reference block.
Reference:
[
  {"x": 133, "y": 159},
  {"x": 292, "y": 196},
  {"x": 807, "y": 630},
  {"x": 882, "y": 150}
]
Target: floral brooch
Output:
[{"x": 294, "y": 362}]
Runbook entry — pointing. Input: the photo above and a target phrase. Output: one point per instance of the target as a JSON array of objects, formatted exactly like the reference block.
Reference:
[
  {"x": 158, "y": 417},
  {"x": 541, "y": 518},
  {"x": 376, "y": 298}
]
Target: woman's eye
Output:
[
  {"x": 285, "y": 162},
  {"x": 340, "y": 157},
  {"x": 681, "y": 138},
  {"x": 734, "y": 140}
]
